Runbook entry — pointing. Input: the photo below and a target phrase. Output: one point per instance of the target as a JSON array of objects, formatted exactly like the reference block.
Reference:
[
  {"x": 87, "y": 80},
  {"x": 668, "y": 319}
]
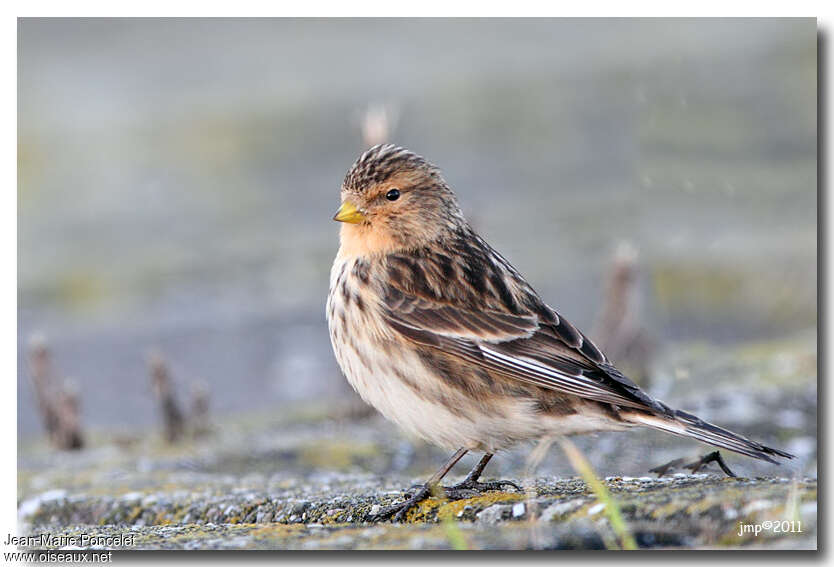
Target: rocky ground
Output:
[{"x": 312, "y": 477}]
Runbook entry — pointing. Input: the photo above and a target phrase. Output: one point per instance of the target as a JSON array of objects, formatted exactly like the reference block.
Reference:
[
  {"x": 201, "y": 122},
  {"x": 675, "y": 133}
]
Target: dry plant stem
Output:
[
  {"x": 619, "y": 329},
  {"x": 199, "y": 418},
  {"x": 532, "y": 463},
  {"x": 172, "y": 416},
  {"x": 40, "y": 375},
  {"x": 58, "y": 405},
  {"x": 378, "y": 124},
  {"x": 68, "y": 435},
  {"x": 792, "y": 503},
  {"x": 612, "y": 510}
]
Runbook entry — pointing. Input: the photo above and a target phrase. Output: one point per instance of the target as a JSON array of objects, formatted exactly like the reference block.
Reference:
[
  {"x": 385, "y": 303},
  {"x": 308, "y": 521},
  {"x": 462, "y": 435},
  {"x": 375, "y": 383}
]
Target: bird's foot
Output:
[
  {"x": 419, "y": 492},
  {"x": 469, "y": 488},
  {"x": 695, "y": 466},
  {"x": 716, "y": 457},
  {"x": 398, "y": 512}
]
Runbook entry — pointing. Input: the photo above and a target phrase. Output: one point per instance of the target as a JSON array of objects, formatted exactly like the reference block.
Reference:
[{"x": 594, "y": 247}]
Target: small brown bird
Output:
[{"x": 438, "y": 332}]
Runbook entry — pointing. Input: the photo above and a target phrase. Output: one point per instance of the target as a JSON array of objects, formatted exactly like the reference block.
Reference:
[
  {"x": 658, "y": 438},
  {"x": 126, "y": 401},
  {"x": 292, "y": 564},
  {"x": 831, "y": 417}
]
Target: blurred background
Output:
[{"x": 177, "y": 180}]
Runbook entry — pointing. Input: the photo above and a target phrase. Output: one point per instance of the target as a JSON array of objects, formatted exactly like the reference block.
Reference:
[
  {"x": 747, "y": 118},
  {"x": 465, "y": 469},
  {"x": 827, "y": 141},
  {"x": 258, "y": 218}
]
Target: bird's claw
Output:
[
  {"x": 695, "y": 466},
  {"x": 478, "y": 487},
  {"x": 661, "y": 470},
  {"x": 460, "y": 491},
  {"x": 398, "y": 512}
]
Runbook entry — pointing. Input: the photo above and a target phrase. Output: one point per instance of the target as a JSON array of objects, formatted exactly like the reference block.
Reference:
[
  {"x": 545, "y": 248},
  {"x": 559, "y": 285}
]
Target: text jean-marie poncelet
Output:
[{"x": 45, "y": 540}]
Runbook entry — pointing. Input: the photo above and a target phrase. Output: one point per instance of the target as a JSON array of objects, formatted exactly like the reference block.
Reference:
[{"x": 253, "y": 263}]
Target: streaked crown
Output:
[{"x": 381, "y": 162}]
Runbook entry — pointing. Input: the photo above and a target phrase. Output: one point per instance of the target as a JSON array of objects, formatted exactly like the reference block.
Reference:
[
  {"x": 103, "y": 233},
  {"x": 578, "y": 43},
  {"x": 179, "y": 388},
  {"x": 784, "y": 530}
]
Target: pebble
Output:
[
  {"x": 300, "y": 507},
  {"x": 596, "y": 509},
  {"x": 756, "y": 505},
  {"x": 791, "y": 418},
  {"x": 802, "y": 446},
  {"x": 52, "y": 495},
  {"x": 311, "y": 544},
  {"x": 28, "y": 508},
  {"x": 808, "y": 509},
  {"x": 418, "y": 542},
  {"x": 560, "y": 509},
  {"x": 518, "y": 510},
  {"x": 132, "y": 497},
  {"x": 345, "y": 541},
  {"x": 494, "y": 513},
  {"x": 264, "y": 516}
]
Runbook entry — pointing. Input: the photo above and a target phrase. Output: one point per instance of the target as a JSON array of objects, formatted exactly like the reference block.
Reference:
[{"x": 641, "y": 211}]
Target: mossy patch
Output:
[{"x": 451, "y": 510}]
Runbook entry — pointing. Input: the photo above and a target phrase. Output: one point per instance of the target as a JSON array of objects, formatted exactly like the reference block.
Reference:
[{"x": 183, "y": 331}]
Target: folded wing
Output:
[{"x": 523, "y": 340}]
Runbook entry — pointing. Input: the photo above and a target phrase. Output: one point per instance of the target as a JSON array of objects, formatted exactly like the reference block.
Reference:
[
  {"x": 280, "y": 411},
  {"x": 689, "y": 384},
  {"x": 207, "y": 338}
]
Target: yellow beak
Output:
[{"x": 348, "y": 213}]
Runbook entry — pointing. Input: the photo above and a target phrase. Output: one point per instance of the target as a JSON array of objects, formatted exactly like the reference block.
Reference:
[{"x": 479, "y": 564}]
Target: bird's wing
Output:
[
  {"x": 468, "y": 302},
  {"x": 496, "y": 321}
]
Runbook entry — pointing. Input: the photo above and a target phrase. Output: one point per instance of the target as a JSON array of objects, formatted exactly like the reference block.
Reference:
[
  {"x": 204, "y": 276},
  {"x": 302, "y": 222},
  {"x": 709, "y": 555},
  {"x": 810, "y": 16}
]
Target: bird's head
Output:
[{"x": 392, "y": 200}]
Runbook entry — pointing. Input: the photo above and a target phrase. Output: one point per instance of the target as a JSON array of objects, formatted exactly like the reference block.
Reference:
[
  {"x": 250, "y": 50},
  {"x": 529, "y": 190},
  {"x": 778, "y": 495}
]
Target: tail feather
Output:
[{"x": 685, "y": 424}]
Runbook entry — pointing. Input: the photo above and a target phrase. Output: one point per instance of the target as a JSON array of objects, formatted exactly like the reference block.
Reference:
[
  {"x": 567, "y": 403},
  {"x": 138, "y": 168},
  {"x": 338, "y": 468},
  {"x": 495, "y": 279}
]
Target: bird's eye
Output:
[{"x": 393, "y": 194}]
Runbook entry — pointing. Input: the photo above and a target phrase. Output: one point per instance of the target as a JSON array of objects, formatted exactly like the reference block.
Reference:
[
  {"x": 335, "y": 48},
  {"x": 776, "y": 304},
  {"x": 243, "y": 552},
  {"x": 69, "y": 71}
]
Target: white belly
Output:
[{"x": 377, "y": 374}]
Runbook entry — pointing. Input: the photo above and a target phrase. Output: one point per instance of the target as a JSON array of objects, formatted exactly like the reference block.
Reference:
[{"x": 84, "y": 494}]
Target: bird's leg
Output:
[
  {"x": 716, "y": 457},
  {"x": 399, "y": 511},
  {"x": 470, "y": 484},
  {"x": 661, "y": 470},
  {"x": 695, "y": 466}
]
